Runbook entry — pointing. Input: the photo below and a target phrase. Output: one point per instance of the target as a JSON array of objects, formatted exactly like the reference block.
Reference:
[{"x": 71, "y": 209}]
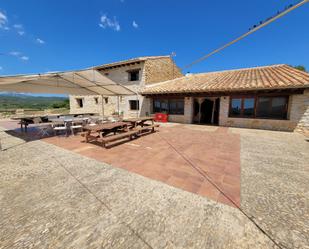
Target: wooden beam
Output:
[{"x": 266, "y": 92}]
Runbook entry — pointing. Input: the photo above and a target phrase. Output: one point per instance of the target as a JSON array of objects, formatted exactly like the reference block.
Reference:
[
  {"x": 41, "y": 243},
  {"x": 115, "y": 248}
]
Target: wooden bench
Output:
[
  {"x": 147, "y": 127},
  {"x": 119, "y": 136}
]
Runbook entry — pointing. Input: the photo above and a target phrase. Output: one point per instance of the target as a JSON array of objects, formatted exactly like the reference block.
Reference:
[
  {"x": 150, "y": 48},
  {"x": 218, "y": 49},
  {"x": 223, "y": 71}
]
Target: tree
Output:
[
  {"x": 301, "y": 68},
  {"x": 63, "y": 104}
]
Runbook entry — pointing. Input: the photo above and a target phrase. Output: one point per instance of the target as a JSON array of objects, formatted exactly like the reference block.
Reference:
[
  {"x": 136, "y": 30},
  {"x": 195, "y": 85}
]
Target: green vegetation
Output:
[
  {"x": 301, "y": 68},
  {"x": 10, "y": 102}
]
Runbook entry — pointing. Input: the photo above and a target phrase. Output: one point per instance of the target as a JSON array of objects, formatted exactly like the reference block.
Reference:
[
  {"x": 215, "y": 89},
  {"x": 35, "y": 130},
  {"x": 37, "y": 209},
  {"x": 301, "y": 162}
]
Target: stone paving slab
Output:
[
  {"x": 53, "y": 198},
  {"x": 275, "y": 184}
]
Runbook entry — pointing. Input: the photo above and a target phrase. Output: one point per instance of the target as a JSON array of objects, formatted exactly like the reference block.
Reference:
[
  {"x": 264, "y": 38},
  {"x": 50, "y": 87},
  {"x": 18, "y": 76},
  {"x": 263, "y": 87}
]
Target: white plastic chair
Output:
[
  {"x": 76, "y": 125},
  {"x": 59, "y": 126}
]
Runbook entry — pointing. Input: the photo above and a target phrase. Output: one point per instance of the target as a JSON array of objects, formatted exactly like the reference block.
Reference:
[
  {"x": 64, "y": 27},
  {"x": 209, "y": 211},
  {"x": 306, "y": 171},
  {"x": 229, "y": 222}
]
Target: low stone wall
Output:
[
  {"x": 176, "y": 118},
  {"x": 298, "y": 116}
]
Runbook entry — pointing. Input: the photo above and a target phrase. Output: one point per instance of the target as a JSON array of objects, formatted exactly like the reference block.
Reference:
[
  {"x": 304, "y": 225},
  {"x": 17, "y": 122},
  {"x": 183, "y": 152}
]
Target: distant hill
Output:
[{"x": 10, "y": 101}]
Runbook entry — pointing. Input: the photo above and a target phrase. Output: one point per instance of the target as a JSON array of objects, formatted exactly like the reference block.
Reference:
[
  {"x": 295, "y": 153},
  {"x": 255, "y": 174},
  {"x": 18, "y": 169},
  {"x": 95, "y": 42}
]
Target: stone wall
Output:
[
  {"x": 151, "y": 71},
  {"x": 298, "y": 116},
  {"x": 300, "y": 112},
  {"x": 90, "y": 105},
  {"x": 188, "y": 110},
  {"x": 161, "y": 69},
  {"x": 119, "y": 75}
]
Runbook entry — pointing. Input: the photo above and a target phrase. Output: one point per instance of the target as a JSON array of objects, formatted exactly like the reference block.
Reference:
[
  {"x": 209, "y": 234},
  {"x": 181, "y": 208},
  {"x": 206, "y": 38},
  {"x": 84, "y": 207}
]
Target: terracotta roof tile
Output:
[{"x": 258, "y": 78}]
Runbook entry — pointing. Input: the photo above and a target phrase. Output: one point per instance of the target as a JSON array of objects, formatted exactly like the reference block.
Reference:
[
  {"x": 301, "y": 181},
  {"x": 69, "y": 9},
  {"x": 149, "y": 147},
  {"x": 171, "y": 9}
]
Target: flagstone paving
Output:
[
  {"x": 54, "y": 198},
  {"x": 274, "y": 189}
]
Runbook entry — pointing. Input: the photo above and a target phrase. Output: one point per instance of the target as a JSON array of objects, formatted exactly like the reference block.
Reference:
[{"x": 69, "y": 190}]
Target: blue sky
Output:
[{"x": 53, "y": 35}]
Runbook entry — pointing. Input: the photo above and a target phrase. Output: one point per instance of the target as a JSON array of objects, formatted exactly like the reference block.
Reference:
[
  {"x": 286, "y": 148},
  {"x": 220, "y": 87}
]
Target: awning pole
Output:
[
  {"x": 137, "y": 102},
  {"x": 118, "y": 106},
  {"x": 102, "y": 107}
]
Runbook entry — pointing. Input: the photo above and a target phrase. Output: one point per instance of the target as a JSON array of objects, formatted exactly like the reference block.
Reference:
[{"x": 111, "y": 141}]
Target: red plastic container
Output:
[{"x": 161, "y": 117}]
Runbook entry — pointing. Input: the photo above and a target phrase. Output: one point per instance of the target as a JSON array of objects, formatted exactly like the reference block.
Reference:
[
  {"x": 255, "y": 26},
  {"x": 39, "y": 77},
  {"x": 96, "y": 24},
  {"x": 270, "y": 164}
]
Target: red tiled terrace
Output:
[{"x": 204, "y": 160}]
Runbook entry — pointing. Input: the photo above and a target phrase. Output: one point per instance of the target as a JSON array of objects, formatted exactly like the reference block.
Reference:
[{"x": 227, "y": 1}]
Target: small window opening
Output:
[
  {"x": 80, "y": 102},
  {"x": 133, "y": 75},
  {"x": 134, "y": 105}
]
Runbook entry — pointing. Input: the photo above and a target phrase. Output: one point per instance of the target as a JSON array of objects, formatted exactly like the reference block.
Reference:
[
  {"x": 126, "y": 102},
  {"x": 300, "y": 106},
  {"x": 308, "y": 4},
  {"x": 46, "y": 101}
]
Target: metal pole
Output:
[
  {"x": 102, "y": 107},
  {"x": 137, "y": 102},
  {"x": 118, "y": 106}
]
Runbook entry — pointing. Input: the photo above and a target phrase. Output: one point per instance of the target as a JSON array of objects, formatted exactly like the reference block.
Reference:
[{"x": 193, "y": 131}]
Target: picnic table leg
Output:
[
  {"x": 152, "y": 122},
  {"x": 86, "y": 137}
]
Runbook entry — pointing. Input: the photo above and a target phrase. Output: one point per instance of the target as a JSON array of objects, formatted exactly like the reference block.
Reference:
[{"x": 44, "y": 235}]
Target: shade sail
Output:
[{"x": 80, "y": 82}]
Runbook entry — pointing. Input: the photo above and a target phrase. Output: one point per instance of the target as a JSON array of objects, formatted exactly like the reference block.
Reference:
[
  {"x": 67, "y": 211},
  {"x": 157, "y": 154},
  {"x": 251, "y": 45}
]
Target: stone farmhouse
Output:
[
  {"x": 133, "y": 74},
  {"x": 270, "y": 97}
]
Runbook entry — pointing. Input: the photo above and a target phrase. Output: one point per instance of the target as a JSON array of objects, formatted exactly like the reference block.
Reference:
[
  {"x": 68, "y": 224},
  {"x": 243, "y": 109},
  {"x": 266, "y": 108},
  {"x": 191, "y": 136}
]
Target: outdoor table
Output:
[
  {"x": 139, "y": 121},
  {"x": 26, "y": 120}
]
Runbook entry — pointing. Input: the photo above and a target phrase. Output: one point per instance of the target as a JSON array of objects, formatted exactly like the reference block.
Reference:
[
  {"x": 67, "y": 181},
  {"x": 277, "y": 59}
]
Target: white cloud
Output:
[
  {"x": 19, "y": 55},
  {"x": 135, "y": 25},
  {"x": 40, "y": 41},
  {"x": 18, "y": 26},
  {"x": 24, "y": 58},
  {"x": 20, "y": 32},
  {"x": 106, "y": 22},
  {"x": 15, "y": 53},
  {"x": 3, "y": 21},
  {"x": 19, "y": 29}
]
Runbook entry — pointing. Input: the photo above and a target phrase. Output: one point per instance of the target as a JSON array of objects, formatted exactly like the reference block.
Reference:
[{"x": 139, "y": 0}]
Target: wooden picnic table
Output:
[
  {"x": 103, "y": 129},
  {"x": 139, "y": 121}
]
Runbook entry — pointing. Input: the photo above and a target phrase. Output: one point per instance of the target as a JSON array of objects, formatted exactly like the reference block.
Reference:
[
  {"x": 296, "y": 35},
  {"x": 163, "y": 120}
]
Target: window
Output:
[
  {"x": 242, "y": 107},
  {"x": 96, "y": 100},
  {"x": 235, "y": 109},
  {"x": 80, "y": 102},
  {"x": 106, "y": 100},
  {"x": 170, "y": 106},
  {"x": 272, "y": 107},
  {"x": 176, "y": 106},
  {"x": 248, "y": 107},
  {"x": 133, "y": 75},
  {"x": 259, "y": 107},
  {"x": 134, "y": 105}
]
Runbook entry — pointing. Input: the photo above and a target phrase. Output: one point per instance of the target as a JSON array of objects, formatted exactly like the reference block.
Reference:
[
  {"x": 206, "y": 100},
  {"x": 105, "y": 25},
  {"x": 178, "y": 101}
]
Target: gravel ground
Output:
[
  {"x": 53, "y": 198},
  {"x": 275, "y": 184}
]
